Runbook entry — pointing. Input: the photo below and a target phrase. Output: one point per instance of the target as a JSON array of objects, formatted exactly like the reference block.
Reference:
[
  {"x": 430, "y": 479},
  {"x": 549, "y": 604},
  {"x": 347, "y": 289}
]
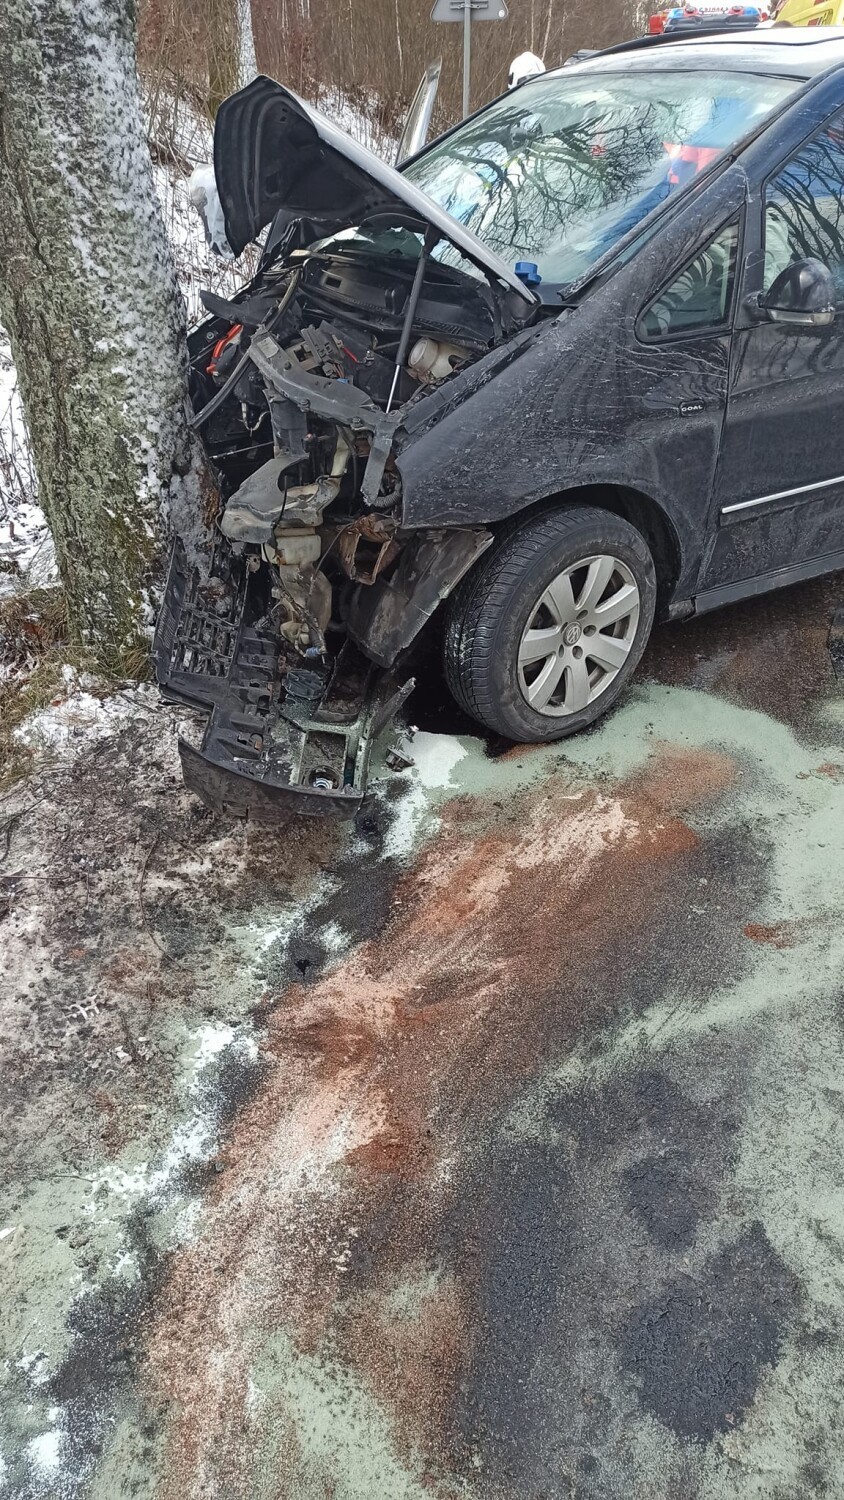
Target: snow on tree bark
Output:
[
  {"x": 248, "y": 63},
  {"x": 89, "y": 298}
]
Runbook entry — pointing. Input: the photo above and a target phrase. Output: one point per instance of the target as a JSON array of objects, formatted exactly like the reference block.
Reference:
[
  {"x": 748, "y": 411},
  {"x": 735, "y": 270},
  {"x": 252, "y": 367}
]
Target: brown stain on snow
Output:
[
  {"x": 379, "y": 1072},
  {"x": 334, "y": 1041},
  {"x": 518, "y": 753},
  {"x": 832, "y": 770},
  {"x": 677, "y": 780},
  {"x": 410, "y": 1357},
  {"x": 779, "y": 936}
]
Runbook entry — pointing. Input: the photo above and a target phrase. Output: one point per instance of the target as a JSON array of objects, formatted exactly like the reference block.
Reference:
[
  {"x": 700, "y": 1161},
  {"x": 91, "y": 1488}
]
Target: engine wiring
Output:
[{"x": 207, "y": 411}]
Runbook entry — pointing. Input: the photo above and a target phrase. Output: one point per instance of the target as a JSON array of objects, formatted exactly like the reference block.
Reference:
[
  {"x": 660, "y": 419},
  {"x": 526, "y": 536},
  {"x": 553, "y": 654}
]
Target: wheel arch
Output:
[
  {"x": 632, "y": 505},
  {"x": 382, "y": 620}
]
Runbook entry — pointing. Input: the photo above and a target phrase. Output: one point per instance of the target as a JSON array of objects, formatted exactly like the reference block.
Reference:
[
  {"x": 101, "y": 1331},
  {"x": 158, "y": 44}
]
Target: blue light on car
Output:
[{"x": 717, "y": 14}]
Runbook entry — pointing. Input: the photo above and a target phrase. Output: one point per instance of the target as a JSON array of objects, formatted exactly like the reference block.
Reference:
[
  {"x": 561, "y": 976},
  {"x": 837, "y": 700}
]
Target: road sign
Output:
[
  {"x": 482, "y": 10},
  {"x": 468, "y": 11}
]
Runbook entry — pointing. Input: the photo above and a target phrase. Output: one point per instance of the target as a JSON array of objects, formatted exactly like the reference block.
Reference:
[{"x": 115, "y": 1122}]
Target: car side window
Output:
[
  {"x": 699, "y": 297},
  {"x": 804, "y": 208}
]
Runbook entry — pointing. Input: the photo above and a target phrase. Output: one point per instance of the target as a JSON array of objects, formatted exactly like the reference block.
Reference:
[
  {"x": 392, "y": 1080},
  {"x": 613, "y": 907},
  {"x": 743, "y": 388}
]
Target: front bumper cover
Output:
[{"x": 266, "y": 752}]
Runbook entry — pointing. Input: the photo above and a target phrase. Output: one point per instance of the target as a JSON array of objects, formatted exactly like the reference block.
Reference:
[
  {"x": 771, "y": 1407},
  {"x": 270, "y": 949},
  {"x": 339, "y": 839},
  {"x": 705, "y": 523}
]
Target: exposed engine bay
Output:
[{"x": 301, "y": 386}]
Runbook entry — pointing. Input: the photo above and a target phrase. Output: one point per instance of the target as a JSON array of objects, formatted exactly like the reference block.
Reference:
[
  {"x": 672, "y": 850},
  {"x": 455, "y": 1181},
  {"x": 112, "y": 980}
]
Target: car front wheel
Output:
[{"x": 542, "y": 636}]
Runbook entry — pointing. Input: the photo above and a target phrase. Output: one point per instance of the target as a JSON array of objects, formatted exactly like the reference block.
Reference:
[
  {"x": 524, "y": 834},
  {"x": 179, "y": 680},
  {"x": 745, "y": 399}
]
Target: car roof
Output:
[{"x": 795, "y": 52}]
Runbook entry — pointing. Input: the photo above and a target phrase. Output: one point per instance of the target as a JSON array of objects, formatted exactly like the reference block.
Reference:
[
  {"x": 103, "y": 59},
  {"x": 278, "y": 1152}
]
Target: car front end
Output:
[{"x": 338, "y": 394}]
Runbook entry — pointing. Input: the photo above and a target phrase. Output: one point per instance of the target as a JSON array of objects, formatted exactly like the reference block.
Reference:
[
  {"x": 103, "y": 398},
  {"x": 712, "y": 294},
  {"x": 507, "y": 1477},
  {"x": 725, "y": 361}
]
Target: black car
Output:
[{"x": 578, "y": 365}]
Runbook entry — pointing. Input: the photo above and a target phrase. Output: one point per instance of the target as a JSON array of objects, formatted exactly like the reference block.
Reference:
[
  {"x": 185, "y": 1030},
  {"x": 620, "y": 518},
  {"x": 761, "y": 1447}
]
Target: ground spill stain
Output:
[
  {"x": 376, "y": 1071},
  {"x": 779, "y": 936}
]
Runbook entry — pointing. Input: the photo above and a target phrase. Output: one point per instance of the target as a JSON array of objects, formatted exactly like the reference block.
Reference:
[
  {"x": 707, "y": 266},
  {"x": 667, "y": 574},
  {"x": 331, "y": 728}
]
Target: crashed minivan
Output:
[{"x": 578, "y": 364}]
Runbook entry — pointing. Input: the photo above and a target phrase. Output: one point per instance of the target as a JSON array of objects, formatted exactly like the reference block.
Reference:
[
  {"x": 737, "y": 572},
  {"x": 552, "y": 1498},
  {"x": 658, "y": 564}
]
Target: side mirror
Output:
[{"x": 803, "y": 295}]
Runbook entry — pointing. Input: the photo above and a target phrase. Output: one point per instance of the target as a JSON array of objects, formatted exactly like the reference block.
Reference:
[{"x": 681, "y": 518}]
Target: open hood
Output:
[{"x": 274, "y": 153}]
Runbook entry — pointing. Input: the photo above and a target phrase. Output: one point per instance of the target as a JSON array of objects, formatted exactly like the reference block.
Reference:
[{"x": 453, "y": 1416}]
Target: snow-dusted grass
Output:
[
  {"x": 35, "y": 675},
  {"x": 78, "y": 714}
]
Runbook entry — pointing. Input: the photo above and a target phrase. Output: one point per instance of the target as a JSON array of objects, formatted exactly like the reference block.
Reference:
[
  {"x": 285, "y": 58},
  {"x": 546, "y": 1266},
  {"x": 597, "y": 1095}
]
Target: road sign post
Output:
[
  {"x": 468, "y": 11},
  {"x": 467, "y": 53}
]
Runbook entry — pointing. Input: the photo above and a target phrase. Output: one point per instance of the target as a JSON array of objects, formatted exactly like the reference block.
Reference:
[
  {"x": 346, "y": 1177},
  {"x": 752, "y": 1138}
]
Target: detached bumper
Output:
[
  {"x": 238, "y": 793},
  {"x": 265, "y": 753}
]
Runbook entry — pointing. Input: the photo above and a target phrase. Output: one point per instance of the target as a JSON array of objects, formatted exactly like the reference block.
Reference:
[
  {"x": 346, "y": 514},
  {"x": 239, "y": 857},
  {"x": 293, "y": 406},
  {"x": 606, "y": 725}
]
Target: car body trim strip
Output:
[{"x": 803, "y": 489}]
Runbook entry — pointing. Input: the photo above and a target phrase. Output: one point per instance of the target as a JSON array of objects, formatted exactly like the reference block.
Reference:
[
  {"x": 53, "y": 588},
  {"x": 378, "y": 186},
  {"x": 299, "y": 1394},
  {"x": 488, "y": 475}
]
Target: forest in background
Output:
[{"x": 370, "y": 52}]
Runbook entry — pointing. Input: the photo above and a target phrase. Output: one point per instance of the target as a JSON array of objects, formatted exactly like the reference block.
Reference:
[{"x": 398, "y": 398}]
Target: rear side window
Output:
[
  {"x": 699, "y": 297},
  {"x": 804, "y": 208}
]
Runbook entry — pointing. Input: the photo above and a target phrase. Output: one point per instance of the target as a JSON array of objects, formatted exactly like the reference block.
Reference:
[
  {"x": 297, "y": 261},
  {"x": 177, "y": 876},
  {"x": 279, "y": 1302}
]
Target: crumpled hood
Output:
[{"x": 273, "y": 152}]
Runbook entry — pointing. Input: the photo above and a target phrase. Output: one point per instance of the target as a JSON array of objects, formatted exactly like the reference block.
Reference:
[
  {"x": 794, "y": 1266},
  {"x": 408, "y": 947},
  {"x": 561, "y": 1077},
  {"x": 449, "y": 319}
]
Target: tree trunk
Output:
[
  {"x": 248, "y": 63},
  {"x": 222, "y": 40},
  {"x": 89, "y": 298}
]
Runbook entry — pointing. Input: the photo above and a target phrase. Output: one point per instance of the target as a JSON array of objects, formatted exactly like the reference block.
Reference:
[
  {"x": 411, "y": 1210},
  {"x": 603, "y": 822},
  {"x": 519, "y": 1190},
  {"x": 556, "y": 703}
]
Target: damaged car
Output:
[{"x": 576, "y": 365}]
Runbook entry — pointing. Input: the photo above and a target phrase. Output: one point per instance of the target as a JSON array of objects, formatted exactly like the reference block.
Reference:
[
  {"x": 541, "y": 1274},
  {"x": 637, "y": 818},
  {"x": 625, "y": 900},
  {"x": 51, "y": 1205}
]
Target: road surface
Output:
[{"x": 490, "y": 1150}]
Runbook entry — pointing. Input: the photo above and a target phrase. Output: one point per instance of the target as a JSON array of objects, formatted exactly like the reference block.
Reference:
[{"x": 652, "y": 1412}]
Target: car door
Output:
[
  {"x": 778, "y": 511},
  {"x": 627, "y": 388}
]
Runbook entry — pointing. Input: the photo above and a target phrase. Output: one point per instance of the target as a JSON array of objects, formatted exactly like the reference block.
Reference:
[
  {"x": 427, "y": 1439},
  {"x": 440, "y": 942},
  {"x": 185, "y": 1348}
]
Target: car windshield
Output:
[{"x": 557, "y": 172}]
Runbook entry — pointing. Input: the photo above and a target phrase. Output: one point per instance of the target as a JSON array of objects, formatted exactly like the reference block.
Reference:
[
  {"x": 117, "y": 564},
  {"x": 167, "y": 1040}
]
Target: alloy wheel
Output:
[{"x": 578, "y": 635}]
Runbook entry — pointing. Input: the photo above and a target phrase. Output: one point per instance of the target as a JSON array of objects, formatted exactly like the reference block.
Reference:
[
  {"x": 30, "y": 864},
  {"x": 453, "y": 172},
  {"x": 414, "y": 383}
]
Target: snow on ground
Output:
[
  {"x": 26, "y": 548},
  {"x": 77, "y": 715},
  {"x": 360, "y": 119},
  {"x": 181, "y": 140}
]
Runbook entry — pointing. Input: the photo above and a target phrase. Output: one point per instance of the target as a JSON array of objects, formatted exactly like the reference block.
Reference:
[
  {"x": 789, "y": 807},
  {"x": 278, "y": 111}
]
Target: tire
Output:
[{"x": 510, "y": 610}]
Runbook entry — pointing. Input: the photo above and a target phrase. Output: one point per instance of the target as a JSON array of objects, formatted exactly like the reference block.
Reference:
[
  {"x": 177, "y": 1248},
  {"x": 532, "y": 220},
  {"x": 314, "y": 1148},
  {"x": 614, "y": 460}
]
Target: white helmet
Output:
[{"x": 526, "y": 65}]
